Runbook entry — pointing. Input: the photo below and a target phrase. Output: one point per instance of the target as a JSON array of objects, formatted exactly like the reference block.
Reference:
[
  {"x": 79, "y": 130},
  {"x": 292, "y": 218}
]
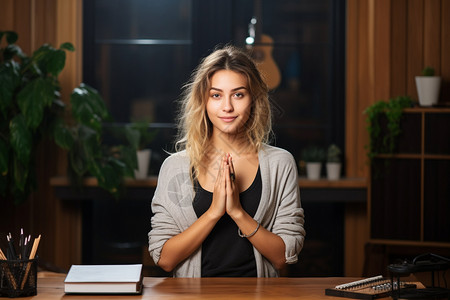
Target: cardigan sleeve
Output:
[
  {"x": 168, "y": 219},
  {"x": 289, "y": 219}
]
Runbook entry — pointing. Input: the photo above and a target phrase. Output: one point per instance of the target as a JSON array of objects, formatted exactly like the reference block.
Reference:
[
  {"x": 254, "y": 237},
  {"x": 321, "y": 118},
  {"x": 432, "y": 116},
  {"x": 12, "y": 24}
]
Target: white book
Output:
[{"x": 104, "y": 279}]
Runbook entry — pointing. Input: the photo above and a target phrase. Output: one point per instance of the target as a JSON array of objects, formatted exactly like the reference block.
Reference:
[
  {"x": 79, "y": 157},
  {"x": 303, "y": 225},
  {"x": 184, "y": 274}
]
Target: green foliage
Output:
[
  {"x": 31, "y": 110},
  {"x": 88, "y": 154},
  {"x": 428, "y": 71},
  {"x": 392, "y": 111},
  {"x": 313, "y": 153},
  {"x": 139, "y": 134},
  {"x": 334, "y": 153}
]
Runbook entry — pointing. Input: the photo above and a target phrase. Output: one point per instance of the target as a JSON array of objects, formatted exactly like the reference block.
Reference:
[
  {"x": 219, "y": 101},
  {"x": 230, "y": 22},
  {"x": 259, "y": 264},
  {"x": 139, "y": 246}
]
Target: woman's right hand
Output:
[
  {"x": 182, "y": 245},
  {"x": 218, "y": 205}
]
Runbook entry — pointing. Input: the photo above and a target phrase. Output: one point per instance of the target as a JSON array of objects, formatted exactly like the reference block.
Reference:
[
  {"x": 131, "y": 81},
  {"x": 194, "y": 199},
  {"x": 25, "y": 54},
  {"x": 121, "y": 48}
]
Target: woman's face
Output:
[{"x": 229, "y": 102}]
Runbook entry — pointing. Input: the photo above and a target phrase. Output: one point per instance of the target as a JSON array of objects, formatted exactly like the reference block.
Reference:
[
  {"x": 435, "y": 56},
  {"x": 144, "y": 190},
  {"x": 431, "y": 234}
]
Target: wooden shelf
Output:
[
  {"x": 344, "y": 190},
  {"x": 407, "y": 189},
  {"x": 408, "y": 243},
  {"x": 419, "y": 109},
  {"x": 64, "y": 181},
  {"x": 151, "y": 181},
  {"x": 341, "y": 183}
]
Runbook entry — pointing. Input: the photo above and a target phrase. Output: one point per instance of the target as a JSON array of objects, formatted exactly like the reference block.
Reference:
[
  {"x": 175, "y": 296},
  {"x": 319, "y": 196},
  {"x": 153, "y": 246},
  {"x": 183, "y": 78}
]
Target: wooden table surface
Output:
[{"x": 52, "y": 287}]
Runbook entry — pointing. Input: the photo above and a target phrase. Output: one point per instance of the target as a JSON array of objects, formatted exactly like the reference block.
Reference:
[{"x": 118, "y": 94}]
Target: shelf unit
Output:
[{"x": 409, "y": 191}]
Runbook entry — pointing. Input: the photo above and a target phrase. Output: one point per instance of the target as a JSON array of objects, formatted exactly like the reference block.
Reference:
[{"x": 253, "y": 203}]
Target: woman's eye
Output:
[
  {"x": 215, "y": 96},
  {"x": 238, "y": 95}
]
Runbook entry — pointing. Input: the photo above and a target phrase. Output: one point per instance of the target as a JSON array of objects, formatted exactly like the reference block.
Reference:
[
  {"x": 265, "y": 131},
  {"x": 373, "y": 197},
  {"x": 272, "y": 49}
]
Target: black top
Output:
[{"x": 224, "y": 252}]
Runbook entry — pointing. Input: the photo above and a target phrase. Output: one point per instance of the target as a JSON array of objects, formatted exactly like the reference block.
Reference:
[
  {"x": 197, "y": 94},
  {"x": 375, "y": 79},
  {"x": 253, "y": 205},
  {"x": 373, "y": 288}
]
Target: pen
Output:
[
  {"x": 21, "y": 245},
  {"x": 11, "y": 247},
  {"x": 28, "y": 250}
]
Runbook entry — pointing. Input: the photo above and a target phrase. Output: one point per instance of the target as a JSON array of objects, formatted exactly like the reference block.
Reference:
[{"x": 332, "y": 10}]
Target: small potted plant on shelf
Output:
[
  {"x": 313, "y": 156},
  {"x": 428, "y": 87},
  {"x": 140, "y": 136},
  {"x": 334, "y": 163}
]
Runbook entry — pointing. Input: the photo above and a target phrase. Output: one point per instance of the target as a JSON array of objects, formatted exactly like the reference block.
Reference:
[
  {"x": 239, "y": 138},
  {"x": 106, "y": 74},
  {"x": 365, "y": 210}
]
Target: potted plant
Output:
[
  {"x": 334, "y": 163},
  {"x": 313, "y": 156},
  {"x": 140, "y": 136},
  {"x": 428, "y": 86},
  {"x": 31, "y": 111},
  {"x": 384, "y": 139}
]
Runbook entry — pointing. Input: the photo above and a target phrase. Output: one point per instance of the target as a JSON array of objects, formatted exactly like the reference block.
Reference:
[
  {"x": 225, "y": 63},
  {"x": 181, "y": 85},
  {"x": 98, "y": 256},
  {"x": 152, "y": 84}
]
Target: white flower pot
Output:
[
  {"x": 313, "y": 170},
  {"x": 143, "y": 157},
  {"x": 428, "y": 88},
  {"x": 333, "y": 170}
]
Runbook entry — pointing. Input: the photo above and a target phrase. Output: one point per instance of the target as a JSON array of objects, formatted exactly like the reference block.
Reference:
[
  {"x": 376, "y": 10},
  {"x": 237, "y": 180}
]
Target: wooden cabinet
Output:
[{"x": 409, "y": 191}]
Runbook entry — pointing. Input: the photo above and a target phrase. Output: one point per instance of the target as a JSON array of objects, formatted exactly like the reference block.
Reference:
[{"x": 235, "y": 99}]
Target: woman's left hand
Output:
[{"x": 233, "y": 203}]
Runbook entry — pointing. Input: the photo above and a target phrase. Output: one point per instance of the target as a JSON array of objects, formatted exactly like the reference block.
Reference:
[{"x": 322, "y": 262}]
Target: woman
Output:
[{"x": 226, "y": 204}]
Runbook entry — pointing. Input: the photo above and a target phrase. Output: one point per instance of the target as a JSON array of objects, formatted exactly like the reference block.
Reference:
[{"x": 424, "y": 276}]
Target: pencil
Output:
[
  {"x": 32, "y": 255},
  {"x": 2, "y": 255}
]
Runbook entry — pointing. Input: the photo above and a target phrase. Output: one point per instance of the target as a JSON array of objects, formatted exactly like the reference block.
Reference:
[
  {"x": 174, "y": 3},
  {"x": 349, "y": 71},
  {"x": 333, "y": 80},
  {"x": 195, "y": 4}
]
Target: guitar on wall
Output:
[{"x": 261, "y": 46}]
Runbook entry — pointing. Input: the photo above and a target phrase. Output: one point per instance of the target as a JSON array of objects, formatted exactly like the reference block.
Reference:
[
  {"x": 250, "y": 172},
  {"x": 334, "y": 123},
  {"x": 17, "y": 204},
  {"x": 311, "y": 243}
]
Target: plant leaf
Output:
[
  {"x": 10, "y": 51},
  {"x": 11, "y": 37},
  {"x": 67, "y": 46},
  {"x": 63, "y": 136},
  {"x": 21, "y": 139},
  {"x": 33, "y": 98},
  {"x": 77, "y": 162},
  {"x": 4, "y": 158},
  {"x": 9, "y": 81},
  {"x": 84, "y": 150},
  {"x": 88, "y": 107},
  {"x": 133, "y": 135},
  {"x": 109, "y": 175},
  {"x": 3, "y": 185},
  {"x": 129, "y": 158},
  {"x": 56, "y": 62},
  {"x": 20, "y": 174}
]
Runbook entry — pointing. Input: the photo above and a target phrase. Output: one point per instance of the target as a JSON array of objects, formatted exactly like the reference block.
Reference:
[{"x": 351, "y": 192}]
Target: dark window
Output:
[{"x": 139, "y": 53}]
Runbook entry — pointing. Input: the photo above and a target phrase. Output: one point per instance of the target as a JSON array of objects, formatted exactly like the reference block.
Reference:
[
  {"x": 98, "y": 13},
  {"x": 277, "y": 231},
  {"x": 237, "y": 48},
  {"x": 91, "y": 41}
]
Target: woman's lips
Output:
[{"x": 228, "y": 119}]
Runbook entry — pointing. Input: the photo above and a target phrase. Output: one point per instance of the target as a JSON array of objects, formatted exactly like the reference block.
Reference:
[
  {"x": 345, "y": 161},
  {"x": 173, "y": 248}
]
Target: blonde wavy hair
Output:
[{"x": 194, "y": 126}]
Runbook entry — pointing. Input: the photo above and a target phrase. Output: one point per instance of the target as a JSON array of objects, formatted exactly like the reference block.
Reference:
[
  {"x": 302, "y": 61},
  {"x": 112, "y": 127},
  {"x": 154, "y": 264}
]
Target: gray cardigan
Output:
[{"x": 279, "y": 210}]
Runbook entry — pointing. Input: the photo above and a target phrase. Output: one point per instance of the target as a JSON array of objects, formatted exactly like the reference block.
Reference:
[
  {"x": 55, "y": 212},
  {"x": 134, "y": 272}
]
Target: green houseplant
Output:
[
  {"x": 428, "y": 86},
  {"x": 31, "y": 111},
  {"x": 334, "y": 163},
  {"x": 140, "y": 136},
  {"x": 313, "y": 156},
  {"x": 383, "y": 140}
]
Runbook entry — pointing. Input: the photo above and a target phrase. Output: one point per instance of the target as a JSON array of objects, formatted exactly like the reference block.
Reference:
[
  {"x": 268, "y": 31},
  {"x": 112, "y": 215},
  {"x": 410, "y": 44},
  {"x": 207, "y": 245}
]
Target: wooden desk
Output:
[{"x": 50, "y": 288}]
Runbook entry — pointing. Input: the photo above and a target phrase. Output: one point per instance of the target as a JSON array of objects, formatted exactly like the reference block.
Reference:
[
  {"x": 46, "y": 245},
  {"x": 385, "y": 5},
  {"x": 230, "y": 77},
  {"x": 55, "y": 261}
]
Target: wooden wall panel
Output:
[
  {"x": 351, "y": 124},
  {"x": 381, "y": 54},
  {"x": 445, "y": 51},
  {"x": 414, "y": 47},
  {"x": 44, "y": 23},
  {"x": 6, "y": 21},
  {"x": 364, "y": 83},
  {"x": 399, "y": 45},
  {"x": 357, "y": 70},
  {"x": 432, "y": 34},
  {"x": 69, "y": 29}
]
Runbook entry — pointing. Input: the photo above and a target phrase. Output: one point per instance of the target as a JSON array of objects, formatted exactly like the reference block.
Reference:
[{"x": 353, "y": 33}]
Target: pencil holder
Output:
[{"x": 18, "y": 278}]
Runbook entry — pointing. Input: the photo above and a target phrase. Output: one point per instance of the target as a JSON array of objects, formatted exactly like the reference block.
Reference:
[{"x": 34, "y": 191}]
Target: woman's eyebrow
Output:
[{"x": 233, "y": 90}]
